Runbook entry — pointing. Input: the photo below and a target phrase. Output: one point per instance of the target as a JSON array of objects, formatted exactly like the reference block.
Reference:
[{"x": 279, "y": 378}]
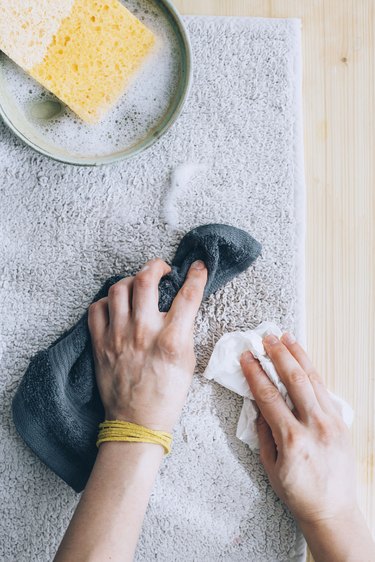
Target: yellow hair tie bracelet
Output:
[{"x": 116, "y": 430}]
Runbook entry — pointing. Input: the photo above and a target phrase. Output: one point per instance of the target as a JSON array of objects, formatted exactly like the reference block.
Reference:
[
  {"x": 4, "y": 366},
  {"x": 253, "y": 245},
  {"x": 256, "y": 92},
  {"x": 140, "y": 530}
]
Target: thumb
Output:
[{"x": 267, "y": 446}]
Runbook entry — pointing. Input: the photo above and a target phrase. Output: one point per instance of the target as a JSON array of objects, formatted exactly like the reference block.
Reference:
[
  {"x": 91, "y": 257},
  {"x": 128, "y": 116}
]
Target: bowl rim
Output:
[{"x": 185, "y": 79}]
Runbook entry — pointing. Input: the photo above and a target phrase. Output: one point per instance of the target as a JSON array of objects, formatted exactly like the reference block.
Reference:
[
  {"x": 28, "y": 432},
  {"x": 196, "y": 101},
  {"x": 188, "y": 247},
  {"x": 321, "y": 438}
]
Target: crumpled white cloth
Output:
[{"x": 224, "y": 368}]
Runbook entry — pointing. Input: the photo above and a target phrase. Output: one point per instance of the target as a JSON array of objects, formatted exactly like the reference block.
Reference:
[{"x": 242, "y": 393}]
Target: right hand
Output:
[
  {"x": 306, "y": 453},
  {"x": 144, "y": 359}
]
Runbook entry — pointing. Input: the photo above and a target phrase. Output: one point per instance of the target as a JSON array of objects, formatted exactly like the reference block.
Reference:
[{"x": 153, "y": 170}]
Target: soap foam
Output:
[{"x": 140, "y": 109}]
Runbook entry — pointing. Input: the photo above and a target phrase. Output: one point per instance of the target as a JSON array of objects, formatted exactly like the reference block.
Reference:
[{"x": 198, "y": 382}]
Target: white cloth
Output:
[{"x": 224, "y": 368}]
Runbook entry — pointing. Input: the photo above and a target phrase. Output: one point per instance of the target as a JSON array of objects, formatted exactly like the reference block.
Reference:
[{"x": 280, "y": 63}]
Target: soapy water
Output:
[{"x": 140, "y": 109}]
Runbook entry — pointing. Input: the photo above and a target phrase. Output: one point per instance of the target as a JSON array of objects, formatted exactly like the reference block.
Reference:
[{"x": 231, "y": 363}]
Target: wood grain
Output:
[{"x": 339, "y": 110}]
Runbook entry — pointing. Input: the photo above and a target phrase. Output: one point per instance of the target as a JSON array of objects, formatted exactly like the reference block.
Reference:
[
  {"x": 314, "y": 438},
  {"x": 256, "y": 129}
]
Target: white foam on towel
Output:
[{"x": 180, "y": 179}]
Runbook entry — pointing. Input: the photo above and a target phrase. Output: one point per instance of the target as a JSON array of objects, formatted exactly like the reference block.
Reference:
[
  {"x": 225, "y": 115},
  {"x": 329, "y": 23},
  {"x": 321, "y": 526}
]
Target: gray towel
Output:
[{"x": 57, "y": 407}]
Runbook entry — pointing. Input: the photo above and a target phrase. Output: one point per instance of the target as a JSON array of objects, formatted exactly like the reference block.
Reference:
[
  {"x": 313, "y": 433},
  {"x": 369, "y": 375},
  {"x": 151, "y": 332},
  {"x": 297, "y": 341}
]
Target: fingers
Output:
[
  {"x": 146, "y": 291},
  {"x": 267, "y": 446},
  {"x": 187, "y": 301},
  {"x": 293, "y": 376},
  {"x": 98, "y": 319},
  {"x": 303, "y": 359},
  {"x": 119, "y": 304},
  {"x": 268, "y": 398}
]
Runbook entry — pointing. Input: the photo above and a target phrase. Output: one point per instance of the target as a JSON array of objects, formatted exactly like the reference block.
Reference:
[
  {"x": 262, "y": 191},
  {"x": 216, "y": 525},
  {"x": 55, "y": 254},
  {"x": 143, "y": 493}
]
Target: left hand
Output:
[
  {"x": 144, "y": 359},
  {"x": 306, "y": 453}
]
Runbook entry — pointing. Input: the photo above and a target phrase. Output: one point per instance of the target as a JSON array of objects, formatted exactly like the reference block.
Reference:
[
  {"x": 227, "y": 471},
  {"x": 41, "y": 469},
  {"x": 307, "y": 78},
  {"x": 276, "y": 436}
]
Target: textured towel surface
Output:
[
  {"x": 57, "y": 408},
  {"x": 64, "y": 230}
]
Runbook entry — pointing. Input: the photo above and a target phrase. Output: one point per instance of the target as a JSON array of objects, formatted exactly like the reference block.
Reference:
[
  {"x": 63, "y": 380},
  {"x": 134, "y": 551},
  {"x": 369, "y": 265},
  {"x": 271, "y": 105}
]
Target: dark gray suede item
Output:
[{"x": 57, "y": 407}]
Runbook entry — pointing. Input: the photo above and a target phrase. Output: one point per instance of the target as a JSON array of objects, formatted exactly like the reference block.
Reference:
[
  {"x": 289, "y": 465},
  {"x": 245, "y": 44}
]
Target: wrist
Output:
[
  {"x": 123, "y": 462},
  {"x": 132, "y": 450},
  {"x": 344, "y": 537},
  {"x": 350, "y": 516}
]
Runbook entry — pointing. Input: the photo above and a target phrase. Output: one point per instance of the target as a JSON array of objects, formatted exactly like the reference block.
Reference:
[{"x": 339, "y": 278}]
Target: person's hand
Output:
[
  {"x": 144, "y": 363},
  {"x": 144, "y": 359},
  {"x": 307, "y": 454}
]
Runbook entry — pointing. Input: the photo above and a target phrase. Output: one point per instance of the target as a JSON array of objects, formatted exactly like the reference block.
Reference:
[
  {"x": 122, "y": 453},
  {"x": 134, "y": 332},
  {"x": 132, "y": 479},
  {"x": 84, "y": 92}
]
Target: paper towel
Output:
[{"x": 224, "y": 368}]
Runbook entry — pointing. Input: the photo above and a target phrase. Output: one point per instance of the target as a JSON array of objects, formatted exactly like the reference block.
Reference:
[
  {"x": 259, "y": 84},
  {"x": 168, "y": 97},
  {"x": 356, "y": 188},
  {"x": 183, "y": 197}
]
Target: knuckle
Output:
[
  {"x": 314, "y": 376},
  {"x": 140, "y": 342},
  {"x": 125, "y": 282},
  {"x": 188, "y": 292},
  {"x": 276, "y": 351},
  {"x": 158, "y": 262},
  {"x": 279, "y": 350},
  {"x": 327, "y": 429},
  {"x": 256, "y": 369},
  {"x": 169, "y": 344},
  {"x": 117, "y": 343},
  {"x": 314, "y": 412},
  {"x": 140, "y": 338},
  {"x": 143, "y": 279},
  {"x": 116, "y": 290},
  {"x": 297, "y": 376},
  {"x": 293, "y": 438},
  {"x": 269, "y": 394},
  {"x": 153, "y": 265},
  {"x": 93, "y": 308}
]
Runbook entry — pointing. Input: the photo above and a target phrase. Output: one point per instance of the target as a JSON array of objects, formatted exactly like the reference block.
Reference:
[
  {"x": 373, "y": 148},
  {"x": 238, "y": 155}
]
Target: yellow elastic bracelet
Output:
[{"x": 116, "y": 430}]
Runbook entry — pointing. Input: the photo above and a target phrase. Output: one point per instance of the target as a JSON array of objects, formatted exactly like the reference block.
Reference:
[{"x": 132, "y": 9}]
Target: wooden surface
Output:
[{"x": 339, "y": 123}]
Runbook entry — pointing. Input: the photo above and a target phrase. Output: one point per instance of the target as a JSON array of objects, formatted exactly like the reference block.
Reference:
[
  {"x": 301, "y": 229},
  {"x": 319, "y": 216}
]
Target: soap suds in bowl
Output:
[{"x": 138, "y": 114}]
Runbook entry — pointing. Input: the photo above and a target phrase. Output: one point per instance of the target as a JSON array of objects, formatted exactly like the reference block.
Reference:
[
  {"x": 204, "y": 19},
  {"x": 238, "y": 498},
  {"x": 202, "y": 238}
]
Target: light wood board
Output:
[{"x": 339, "y": 124}]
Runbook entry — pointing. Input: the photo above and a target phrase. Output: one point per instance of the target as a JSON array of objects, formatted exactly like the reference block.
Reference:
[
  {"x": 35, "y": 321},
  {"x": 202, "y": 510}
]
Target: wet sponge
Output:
[{"x": 95, "y": 48}]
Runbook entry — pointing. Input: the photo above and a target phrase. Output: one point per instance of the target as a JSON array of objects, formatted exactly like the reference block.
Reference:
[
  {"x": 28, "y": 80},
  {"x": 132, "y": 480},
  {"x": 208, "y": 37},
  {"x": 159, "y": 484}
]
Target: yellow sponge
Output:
[{"x": 85, "y": 53}]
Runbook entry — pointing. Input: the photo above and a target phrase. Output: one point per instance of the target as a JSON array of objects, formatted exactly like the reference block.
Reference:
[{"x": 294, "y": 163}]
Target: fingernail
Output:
[
  {"x": 288, "y": 338},
  {"x": 247, "y": 357},
  {"x": 199, "y": 264},
  {"x": 270, "y": 339}
]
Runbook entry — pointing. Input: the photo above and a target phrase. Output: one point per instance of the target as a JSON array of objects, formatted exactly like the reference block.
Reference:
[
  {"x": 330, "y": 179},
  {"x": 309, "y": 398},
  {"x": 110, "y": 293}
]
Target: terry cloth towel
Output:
[
  {"x": 224, "y": 368},
  {"x": 65, "y": 229},
  {"x": 57, "y": 407}
]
